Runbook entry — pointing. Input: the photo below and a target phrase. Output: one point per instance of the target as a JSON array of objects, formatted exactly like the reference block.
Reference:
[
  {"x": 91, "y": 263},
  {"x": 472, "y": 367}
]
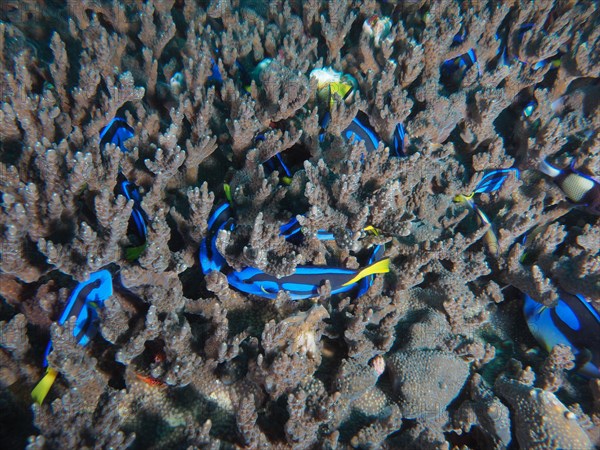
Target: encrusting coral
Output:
[
  {"x": 542, "y": 421},
  {"x": 217, "y": 93}
]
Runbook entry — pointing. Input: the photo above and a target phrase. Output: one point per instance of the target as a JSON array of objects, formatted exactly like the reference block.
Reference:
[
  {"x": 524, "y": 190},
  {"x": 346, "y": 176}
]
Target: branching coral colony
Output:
[{"x": 191, "y": 192}]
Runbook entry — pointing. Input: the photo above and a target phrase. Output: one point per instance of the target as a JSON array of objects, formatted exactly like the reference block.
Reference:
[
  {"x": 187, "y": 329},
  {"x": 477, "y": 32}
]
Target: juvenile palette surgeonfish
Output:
[
  {"x": 493, "y": 180},
  {"x": 581, "y": 189},
  {"x": 276, "y": 163},
  {"x": 399, "y": 140},
  {"x": 463, "y": 61},
  {"x": 507, "y": 60},
  {"x": 572, "y": 322},
  {"x": 138, "y": 218},
  {"x": 116, "y": 132},
  {"x": 360, "y": 130},
  {"x": 83, "y": 304},
  {"x": 209, "y": 256},
  {"x": 357, "y": 130},
  {"x": 292, "y": 232},
  {"x": 304, "y": 282}
]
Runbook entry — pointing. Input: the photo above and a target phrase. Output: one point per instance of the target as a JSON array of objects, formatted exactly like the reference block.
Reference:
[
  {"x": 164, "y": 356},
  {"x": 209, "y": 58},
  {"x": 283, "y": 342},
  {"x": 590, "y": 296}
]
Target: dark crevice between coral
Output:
[
  {"x": 181, "y": 25},
  {"x": 35, "y": 258},
  {"x": 334, "y": 352},
  {"x": 430, "y": 279},
  {"x": 10, "y": 152},
  {"x": 272, "y": 419},
  {"x": 200, "y": 329},
  {"x": 150, "y": 429},
  {"x": 474, "y": 438},
  {"x": 214, "y": 170},
  {"x": 176, "y": 242},
  {"x": 512, "y": 128},
  {"x": 7, "y": 311},
  {"x": 62, "y": 232},
  {"x": 152, "y": 355},
  {"x": 250, "y": 320},
  {"x": 355, "y": 421},
  {"x": 108, "y": 364},
  {"x": 16, "y": 416},
  {"x": 234, "y": 370},
  {"x": 194, "y": 287}
]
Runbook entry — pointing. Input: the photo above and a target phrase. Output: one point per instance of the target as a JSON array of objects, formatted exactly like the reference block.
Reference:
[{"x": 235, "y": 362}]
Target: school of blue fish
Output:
[{"x": 573, "y": 321}]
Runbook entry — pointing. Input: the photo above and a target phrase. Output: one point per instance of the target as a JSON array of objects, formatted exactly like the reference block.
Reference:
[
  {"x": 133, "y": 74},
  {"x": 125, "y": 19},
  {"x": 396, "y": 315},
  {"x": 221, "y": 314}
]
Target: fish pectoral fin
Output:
[
  {"x": 381, "y": 266},
  {"x": 43, "y": 387}
]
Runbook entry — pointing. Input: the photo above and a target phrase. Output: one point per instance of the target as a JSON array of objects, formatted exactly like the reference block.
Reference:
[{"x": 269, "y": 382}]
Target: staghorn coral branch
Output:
[{"x": 336, "y": 26}]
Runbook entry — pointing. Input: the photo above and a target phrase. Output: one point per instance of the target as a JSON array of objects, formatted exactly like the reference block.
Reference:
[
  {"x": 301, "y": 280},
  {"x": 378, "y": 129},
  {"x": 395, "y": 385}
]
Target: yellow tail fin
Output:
[
  {"x": 371, "y": 229},
  {"x": 43, "y": 387},
  {"x": 381, "y": 266},
  {"x": 463, "y": 198}
]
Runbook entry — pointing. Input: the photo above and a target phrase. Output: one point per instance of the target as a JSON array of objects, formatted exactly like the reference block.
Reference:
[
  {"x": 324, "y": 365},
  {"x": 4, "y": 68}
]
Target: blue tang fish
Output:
[
  {"x": 304, "y": 282},
  {"x": 83, "y": 304},
  {"x": 360, "y": 130},
  {"x": 275, "y": 163},
  {"x": 399, "y": 138},
  {"x": 209, "y": 256},
  {"x": 580, "y": 189},
  {"x": 493, "y": 180},
  {"x": 116, "y": 132},
  {"x": 376, "y": 255},
  {"x": 572, "y": 322},
  {"x": 131, "y": 192},
  {"x": 463, "y": 61},
  {"x": 292, "y": 232},
  {"x": 215, "y": 75},
  {"x": 507, "y": 60}
]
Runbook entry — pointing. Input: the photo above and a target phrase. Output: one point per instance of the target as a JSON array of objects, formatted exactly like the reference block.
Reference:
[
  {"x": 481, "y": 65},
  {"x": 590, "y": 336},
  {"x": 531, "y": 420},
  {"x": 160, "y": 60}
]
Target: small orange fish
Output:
[{"x": 151, "y": 380}]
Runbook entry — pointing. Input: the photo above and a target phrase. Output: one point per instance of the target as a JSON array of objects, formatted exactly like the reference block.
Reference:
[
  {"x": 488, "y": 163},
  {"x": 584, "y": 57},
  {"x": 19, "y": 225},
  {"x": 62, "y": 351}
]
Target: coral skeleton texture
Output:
[{"x": 436, "y": 354}]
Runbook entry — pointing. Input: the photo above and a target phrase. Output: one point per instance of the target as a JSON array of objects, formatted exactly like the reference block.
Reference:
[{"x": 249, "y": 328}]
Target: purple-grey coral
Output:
[
  {"x": 426, "y": 381},
  {"x": 212, "y": 91},
  {"x": 541, "y": 420}
]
